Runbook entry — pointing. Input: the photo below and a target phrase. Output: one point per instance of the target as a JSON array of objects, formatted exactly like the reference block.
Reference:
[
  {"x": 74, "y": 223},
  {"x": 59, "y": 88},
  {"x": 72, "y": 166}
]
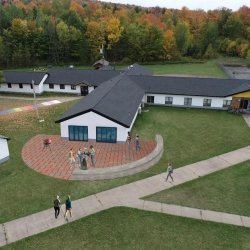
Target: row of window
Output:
[
  {"x": 103, "y": 134},
  {"x": 20, "y": 85},
  {"x": 188, "y": 101},
  {"x": 51, "y": 86}
]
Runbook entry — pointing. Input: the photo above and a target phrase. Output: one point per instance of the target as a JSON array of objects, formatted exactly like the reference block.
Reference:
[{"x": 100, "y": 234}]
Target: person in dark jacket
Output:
[
  {"x": 68, "y": 205},
  {"x": 57, "y": 204}
]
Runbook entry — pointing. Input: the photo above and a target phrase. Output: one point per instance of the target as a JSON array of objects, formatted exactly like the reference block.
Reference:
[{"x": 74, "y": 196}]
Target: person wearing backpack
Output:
[
  {"x": 57, "y": 204},
  {"x": 68, "y": 206}
]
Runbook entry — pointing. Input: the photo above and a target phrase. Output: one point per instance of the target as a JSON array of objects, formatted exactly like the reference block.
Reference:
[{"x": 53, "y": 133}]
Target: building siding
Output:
[
  {"x": 4, "y": 152},
  {"x": 93, "y": 120}
]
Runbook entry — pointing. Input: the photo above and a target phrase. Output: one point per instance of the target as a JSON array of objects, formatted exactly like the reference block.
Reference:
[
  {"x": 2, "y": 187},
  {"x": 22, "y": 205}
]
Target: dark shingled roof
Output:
[
  {"x": 191, "y": 86},
  {"x": 77, "y": 76},
  {"x": 117, "y": 99},
  {"x": 101, "y": 62},
  {"x": 137, "y": 69},
  {"x": 23, "y": 77}
]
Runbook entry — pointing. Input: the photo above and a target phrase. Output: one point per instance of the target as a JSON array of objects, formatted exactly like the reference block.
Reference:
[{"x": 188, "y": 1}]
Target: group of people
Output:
[
  {"x": 82, "y": 157},
  {"x": 137, "y": 142},
  {"x": 68, "y": 207}
]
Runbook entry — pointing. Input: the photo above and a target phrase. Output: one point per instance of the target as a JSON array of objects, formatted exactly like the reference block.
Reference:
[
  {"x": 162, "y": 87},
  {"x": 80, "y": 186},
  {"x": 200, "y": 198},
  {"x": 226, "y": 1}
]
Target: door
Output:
[
  {"x": 84, "y": 90},
  {"x": 78, "y": 133},
  {"x": 245, "y": 104}
]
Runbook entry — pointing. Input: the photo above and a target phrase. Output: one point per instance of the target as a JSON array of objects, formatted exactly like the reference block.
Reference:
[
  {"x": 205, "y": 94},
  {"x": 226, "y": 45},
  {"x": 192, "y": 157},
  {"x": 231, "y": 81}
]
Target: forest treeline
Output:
[{"x": 35, "y": 32}]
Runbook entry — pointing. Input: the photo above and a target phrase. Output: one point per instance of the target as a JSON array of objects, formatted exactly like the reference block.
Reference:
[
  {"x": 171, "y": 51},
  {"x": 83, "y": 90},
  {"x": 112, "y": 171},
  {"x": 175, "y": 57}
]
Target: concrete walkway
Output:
[
  {"x": 129, "y": 195},
  {"x": 247, "y": 119}
]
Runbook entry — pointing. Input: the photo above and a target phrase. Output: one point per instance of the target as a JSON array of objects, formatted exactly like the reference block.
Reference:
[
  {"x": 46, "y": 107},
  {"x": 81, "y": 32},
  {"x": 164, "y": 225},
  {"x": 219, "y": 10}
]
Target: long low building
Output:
[{"x": 113, "y": 99}]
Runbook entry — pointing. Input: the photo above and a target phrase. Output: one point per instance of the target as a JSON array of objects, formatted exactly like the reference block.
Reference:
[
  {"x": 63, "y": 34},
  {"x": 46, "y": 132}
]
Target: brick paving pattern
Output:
[{"x": 54, "y": 161}]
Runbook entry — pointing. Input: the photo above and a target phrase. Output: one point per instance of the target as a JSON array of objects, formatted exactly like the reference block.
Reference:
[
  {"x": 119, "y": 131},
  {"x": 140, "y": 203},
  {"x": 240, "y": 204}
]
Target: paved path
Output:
[
  {"x": 129, "y": 195},
  {"x": 53, "y": 160},
  {"x": 247, "y": 119}
]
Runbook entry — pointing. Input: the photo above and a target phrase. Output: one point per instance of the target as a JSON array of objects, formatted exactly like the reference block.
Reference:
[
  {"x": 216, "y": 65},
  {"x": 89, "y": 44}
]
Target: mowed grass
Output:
[
  {"x": 126, "y": 228},
  {"x": 206, "y": 69},
  {"x": 15, "y": 103},
  {"x": 189, "y": 135},
  {"x": 224, "y": 191}
]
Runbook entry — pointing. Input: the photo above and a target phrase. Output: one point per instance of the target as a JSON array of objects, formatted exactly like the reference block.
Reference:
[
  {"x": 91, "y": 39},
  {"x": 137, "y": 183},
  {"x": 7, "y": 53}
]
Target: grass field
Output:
[
  {"x": 207, "y": 69},
  {"x": 125, "y": 228},
  {"x": 189, "y": 135},
  {"x": 9, "y": 103},
  {"x": 224, "y": 191}
]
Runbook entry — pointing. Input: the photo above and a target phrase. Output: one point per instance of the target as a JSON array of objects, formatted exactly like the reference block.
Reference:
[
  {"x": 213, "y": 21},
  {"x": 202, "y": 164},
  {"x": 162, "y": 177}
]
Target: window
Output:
[
  {"x": 51, "y": 86},
  {"x": 187, "y": 101},
  {"x": 106, "y": 134},
  {"x": 73, "y": 87},
  {"x": 150, "y": 99},
  {"x": 62, "y": 86},
  {"x": 9, "y": 85},
  {"x": 78, "y": 133},
  {"x": 226, "y": 103},
  {"x": 20, "y": 85},
  {"x": 31, "y": 86},
  {"x": 168, "y": 100},
  {"x": 207, "y": 102}
]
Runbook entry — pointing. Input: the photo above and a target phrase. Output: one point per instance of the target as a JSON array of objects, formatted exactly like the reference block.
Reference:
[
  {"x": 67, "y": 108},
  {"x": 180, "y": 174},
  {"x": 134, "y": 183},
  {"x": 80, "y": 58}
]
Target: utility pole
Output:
[{"x": 35, "y": 103}]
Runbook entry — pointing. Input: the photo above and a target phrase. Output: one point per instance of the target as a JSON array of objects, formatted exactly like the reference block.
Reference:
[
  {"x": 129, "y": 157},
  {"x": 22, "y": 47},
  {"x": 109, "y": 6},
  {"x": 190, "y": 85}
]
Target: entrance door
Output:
[
  {"x": 84, "y": 90},
  {"x": 245, "y": 104},
  {"x": 78, "y": 133}
]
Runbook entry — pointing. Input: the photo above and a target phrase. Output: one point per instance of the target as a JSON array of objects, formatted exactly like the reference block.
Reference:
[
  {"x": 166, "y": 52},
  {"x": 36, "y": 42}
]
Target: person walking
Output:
[
  {"x": 92, "y": 155},
  {"x": 137, "y": 143},
  {"x": 57, "y": 204},
  {"x": 169, "y": 172},
  {"x": 68, "y": 205}
]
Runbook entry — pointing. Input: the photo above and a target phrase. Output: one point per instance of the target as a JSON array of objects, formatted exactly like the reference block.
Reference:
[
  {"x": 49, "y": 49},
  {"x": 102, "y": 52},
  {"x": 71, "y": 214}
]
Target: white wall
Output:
[
  {"x": 58, "y": 90},
  {"x": 15, "y": 88},
  {"x": 197, "y": 101},
  {"x": 93, "y": 120},
  {"x": 4, "y": 150}
]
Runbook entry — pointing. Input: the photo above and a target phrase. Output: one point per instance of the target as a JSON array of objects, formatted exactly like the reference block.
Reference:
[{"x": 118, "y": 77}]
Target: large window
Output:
[
  {"x": 9, "y": 85},
  {"x": 20, "y": 85},
  {"x": 106, "y": 134},
  {"x": 168, "y": 100},
  {"x": 78, "y": 133},
  {"x": 150, "y": 99},
  {"x": 207, "y": 102},
  {"x": 62, "y": 86},
  {"x": 187, "y": 101},
  {"x": 226, "y": 103},
  {"x": 73, "y": 87}
]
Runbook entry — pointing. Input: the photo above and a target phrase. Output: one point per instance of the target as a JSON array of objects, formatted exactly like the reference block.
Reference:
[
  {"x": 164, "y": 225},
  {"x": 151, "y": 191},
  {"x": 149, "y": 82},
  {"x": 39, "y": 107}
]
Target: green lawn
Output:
[
  {"x": 124, "y": 228},
  {"x": 207, "y": 69},
  {"x": 189, "y": 135},
  {"x": 224, "y": 191}
]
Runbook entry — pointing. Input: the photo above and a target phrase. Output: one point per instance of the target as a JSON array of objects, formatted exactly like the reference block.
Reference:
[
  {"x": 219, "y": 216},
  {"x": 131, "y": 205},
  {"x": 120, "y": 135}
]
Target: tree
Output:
[
  {"x": 182, "y": 37},
  {"x": 169, "y": 45},
  {"x": 210, "y": 35}
]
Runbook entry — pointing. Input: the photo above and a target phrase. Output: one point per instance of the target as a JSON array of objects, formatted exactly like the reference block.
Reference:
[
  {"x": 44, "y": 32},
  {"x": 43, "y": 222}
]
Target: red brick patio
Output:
[{"x": 53, "y": 161}]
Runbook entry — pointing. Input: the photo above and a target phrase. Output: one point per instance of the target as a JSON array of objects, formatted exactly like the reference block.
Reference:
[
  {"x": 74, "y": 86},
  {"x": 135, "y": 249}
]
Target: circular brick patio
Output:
[{"x": 53, "y": 161}]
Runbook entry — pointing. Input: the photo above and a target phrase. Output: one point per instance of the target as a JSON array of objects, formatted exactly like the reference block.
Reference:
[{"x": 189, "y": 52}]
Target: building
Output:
[
  {"x": 113, "y": 99},
  {"x": 4, "y": 152}
]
